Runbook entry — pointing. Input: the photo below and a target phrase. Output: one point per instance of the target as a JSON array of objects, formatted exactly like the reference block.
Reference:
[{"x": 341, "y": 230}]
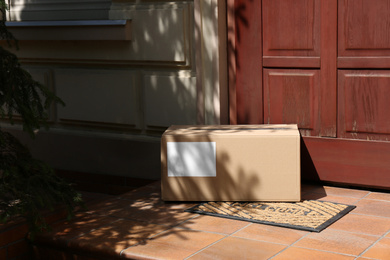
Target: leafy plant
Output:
[{"x": 27, "y": 185}]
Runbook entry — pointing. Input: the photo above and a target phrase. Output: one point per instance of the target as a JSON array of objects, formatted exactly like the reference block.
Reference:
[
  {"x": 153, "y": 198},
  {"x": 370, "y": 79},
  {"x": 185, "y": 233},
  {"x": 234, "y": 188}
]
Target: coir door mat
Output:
[{"x": 310, "y": 215}]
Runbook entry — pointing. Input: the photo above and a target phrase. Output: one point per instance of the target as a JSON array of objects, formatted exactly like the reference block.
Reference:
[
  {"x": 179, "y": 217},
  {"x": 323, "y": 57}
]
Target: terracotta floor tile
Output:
[
  {"x": 132, "y": 205},
  {"x": 145, "y": 196},
  {"x": 125, "y": 209},
  {"x": 214, "y": 224},
  {"x": 271, "y": 234},
  {"x": 170, "y": 215},
  {"x": 342, "y": 192},
  {"x": 62, "y": 232},
  {"x": 373, "y": 207},
  {"x": 140, "y": 224},
  {"x": 176, "y": 243},
  {"x": 107, "y": 207},
  {"x": 239, "y": 248},
  {"x": 143, "y": 201},
  {"x": 146, "y": 203},
  {"x": 152, "y": 190},
  {"x": 112, "y": 239},
  {"x": 369, "y": 225},
  {"x": 294, "y": 253},
  {"x": 337, "y": 241},
  {"x": 380, "y": 250},
  {"x": 331, "y": 198},
  {"x": 378, "y": 196}
]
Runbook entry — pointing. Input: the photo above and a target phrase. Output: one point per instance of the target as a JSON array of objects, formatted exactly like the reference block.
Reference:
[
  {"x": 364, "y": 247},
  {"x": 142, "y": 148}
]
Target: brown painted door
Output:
[
  {"x": 299, "y": 65},
  {"x": 363, "y": 69},
  {"x": 325, "y": 65}
]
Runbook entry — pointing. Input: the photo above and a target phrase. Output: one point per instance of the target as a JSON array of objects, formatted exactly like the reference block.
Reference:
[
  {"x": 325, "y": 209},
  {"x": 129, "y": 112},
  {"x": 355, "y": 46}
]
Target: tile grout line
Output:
[
  {"x": 356, "y": 199},
  {"x": 186, "y": 220},
  {"x": 146, "y": 239},
  {"x": 288, "y": 246},
  {"x": 258, "y": 240},
  {"x": 226, "y": 236},
  {"x": 379, "y": 200},
  {"x": 249, "y": 224},
  {"x": 352, "y": 232},
  {"x": 313, "y": 249},
  {"x": 363, "y": 197},
  {"x": 368, "y": 215},
  {"x": 376, "y": 242},
  {"x": 325, "y": 251},
  {"x": 206, "y": 247}
]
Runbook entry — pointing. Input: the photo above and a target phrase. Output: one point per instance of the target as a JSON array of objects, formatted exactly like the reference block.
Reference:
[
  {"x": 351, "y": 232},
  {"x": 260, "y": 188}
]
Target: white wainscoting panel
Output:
[
  {"x": 104, "y": 96},
  {"x": 169, "y": 100}
]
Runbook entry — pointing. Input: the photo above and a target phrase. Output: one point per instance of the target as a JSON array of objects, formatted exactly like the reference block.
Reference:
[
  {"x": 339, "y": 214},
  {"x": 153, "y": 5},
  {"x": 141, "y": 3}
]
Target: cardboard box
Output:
[{"x": 231, "y": 163}]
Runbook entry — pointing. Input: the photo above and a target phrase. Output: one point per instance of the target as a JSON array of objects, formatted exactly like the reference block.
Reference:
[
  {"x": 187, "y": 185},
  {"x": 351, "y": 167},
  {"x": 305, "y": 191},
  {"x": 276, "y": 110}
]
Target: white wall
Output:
[{"x": 122, "y": 94}]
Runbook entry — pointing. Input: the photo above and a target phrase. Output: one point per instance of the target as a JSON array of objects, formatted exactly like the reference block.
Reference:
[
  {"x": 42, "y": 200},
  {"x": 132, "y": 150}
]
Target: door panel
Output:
[
  {"x": 300, "y": 34},
  {"x": 364, "y": 35},
  {"x": 297, "y": 34},
  {"x": 364, "y": 104},
  {"x": 295, "y": 40},
  {"x": 290, "y": 97},
  {"x": 363, "y": 95}
]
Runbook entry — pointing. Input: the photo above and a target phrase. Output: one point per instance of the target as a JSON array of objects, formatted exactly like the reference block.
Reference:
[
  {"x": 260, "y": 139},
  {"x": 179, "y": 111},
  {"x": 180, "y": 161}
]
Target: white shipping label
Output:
[{"x": 191, "y": 159}]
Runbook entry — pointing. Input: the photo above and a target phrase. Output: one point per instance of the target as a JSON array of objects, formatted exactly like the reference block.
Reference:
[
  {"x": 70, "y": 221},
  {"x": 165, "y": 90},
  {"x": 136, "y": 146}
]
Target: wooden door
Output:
[
  {"x": 323, "y": 64},
  {"x": 363, "y": 69},
  {"x": 299, "y": 82},
  {"x": 291, "y": 63}
]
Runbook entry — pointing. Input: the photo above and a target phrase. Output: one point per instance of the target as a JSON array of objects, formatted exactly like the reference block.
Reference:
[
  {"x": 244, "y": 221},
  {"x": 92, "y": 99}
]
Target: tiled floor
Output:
[{"x": 138, "y": 225}]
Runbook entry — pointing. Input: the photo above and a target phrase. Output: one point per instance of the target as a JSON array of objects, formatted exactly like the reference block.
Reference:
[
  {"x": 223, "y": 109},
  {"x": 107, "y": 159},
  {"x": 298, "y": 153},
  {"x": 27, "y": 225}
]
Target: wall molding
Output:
[{"x": 38, "y": 10}]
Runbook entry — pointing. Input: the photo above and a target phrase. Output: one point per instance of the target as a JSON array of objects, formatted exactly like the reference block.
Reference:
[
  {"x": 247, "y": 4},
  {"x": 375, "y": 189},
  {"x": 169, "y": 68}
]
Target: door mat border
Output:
[{"x": 232, "y": 210}]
